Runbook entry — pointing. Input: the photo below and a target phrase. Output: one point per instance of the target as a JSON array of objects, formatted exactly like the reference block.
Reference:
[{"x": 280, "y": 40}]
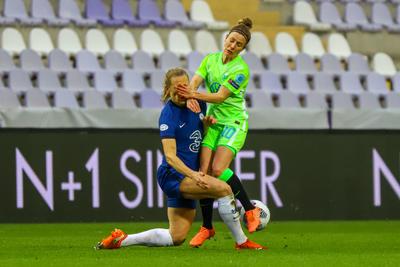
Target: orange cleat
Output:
[
  {"x": 253, "y": 219},
  {"x": 250, "y": 245},
  {"x": 112, "y": 241},
  {"x": 201, "y": 237}
]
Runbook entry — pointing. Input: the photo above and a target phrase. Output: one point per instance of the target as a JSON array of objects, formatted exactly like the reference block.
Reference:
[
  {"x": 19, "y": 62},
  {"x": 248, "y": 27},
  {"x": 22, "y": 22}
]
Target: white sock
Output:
[
  {"x": 152, "y": 238},
  {"x": 230, "y": 216}
]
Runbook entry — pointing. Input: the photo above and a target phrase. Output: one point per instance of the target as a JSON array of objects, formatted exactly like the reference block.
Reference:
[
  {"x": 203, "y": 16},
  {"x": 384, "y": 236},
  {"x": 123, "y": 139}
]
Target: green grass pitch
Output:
[{"x": 335, "y": 243}]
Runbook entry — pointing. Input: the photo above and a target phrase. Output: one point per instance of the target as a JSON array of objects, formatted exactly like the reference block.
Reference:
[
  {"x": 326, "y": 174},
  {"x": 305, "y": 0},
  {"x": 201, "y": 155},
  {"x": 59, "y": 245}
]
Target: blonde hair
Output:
[
  {"x": 243, "y": 27},
  {"x": 175, "y": 72}
]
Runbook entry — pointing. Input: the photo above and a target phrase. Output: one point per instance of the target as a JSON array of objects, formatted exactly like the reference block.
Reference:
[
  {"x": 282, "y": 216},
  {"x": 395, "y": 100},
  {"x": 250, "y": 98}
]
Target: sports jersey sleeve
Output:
[
  {"x": 237, "y": 80},
  {"x": 202, "y": 70},
  {"x": 167, "y": 124}
]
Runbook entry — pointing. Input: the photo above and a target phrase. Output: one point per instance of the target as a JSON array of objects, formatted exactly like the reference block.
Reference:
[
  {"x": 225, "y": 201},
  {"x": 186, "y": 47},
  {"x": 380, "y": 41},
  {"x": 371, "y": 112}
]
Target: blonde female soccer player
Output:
[
  {"x": 181, "y": 132},
  {"x": 226, "y": 76}
]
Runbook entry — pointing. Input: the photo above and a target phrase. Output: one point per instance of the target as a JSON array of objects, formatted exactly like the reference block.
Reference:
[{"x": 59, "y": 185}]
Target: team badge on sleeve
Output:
[
  {"x": 163, "y": 127},
  {"x": 237, "y": 81},
  {"x": 239, "y": 78}
]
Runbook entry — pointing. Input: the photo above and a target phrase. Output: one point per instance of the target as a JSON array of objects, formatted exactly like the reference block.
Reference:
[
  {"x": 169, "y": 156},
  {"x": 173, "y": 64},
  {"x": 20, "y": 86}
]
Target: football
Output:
[{"x": 264, "y": 215}]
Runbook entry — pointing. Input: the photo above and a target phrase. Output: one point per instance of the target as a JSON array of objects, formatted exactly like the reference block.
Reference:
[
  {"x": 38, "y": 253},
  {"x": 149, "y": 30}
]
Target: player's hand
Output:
[
  {"x": 198, "y": 177},
  {"x": 209, "y": 120},
  {"x": 184, "y": 91},
  {"x": 193, "y": 105}
]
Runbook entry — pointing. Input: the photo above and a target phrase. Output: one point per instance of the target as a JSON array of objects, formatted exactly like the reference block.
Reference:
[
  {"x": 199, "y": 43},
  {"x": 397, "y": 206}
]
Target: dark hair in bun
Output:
[
  {"x": 247, "y": 22},
  {"x": 243, "y": 27}
]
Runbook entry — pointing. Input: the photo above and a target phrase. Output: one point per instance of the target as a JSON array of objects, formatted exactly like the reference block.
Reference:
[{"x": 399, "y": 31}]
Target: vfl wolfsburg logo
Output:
[{"x": 214, "y": 87}]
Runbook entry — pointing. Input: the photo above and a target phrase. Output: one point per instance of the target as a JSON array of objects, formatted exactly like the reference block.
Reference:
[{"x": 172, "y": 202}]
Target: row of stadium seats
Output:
[
  {"x": 133, "y": 82},
  {"x": 121, "y": 99},
  {"x": 354, "y": 17},
  {"x": 179, "y": 43},
  {"x": 88, "y": 62},
  {"x": 121, "y": 14}
]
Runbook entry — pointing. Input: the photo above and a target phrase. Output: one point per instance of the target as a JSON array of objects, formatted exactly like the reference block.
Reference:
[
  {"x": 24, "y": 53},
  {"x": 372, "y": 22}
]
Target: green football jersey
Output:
[{"x": 234, "y": 76}]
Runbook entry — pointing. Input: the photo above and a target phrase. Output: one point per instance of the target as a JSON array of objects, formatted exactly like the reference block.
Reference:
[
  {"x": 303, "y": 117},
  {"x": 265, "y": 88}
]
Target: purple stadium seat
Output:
[
  {"x": 87, "y": 62},
  {"x": 297, "y": 83},
  {"x": 305, "y": 64},
  {"x": 77, "y": 81},
  {"x": 6, "y": 62},
  {"x": 260, "y": 99},
  {"x": 323, "y": 83},
  {"x": 331, "y": 64},
  {"x": 367, "y": 100},
  {"x": 271, "y": 82},
  {"x": 194, "y": 59},
  {"x": 174, "y": 11},
  {"x": 342, "y": 100},
  {"x": 36, "y": 98},
  {"x": 381, "y": 15},
  {"x": 148, "y": 11},
  {"x": 8, "y": 99},
  {"x": 114, "y": 62},
  {"x": 93, "y": 100},
  {"x": 19, "y": 81},
  {"x": 288, "y": 100},
  {"x": 132, "y": 81},
  {"x": 358, "y": 63},
  {"x": 278, "y": 64},
  {"x": 393, "y": 100},
  {"x": 350, "y": 83},
  {"x": 354, "y": 14},
  {"x": 143, "y": 62},
  {"x": 168, "y": 60},
  {"x": 104, "y": 81},
  {"x": 255, "y": 64},
  {"x": 316, "y": 101},
  {"x": 59, "y": 61},
  {"x": 121, "y": 10},
  {"x": 30, "y": 61},
  {"x": 150, "y": 99},
  {"x": 68, "y": 9},
  {"x": 65, "y": 99},
  {"x": 157, "y": 80},
  {"x": 95, "y": 9},
  {"x": 42, "y": 9},
  {"x": 329, "y": 14},
  {"x": 48, "y": 81},
  {"x": 121, "y": 99},
  {"x": 15, "y": 9},
  {"x": 376, "y": 84},
  {"x": 7, "y": 21}
]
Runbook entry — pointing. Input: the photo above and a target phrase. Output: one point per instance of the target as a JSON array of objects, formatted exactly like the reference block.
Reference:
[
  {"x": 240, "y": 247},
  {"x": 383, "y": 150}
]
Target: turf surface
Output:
[{"x": 344, "y": 243}]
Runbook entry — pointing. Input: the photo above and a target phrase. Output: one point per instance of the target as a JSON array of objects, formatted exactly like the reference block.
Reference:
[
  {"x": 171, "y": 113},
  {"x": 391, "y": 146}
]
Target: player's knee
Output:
[
  {"x": 223, "y": 189},
  {"x": 178, "y": 239},
  {"x": 217, "y": 171}
]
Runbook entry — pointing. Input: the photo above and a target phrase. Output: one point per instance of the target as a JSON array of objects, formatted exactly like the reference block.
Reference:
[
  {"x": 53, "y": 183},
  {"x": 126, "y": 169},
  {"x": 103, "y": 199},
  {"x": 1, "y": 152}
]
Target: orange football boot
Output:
[
  {"x": 250, "y": 245},
  {"x": 253, "y": 219},
  {"x": 201, "y": 237},
  {"x": 112, "y": 241}
]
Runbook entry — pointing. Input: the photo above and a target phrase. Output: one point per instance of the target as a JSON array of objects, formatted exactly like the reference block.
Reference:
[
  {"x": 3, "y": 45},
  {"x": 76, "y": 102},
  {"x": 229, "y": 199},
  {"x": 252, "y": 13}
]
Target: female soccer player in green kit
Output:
[{"x": 226, "y": 77}]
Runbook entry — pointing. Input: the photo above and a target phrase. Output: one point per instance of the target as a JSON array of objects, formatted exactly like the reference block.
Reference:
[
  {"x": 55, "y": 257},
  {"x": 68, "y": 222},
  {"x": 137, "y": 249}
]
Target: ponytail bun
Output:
[{"x": 246, "y": 22}]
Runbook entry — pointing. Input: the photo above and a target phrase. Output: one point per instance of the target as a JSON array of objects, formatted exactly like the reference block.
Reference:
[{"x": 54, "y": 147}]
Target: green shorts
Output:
[{"x": 231, "y": 137}]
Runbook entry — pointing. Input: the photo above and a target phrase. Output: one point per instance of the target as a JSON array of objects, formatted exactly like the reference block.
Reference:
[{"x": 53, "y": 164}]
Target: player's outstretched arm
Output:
[
  {"x": 216, "y": 98},
  {"x": 193, "y": 104}
]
